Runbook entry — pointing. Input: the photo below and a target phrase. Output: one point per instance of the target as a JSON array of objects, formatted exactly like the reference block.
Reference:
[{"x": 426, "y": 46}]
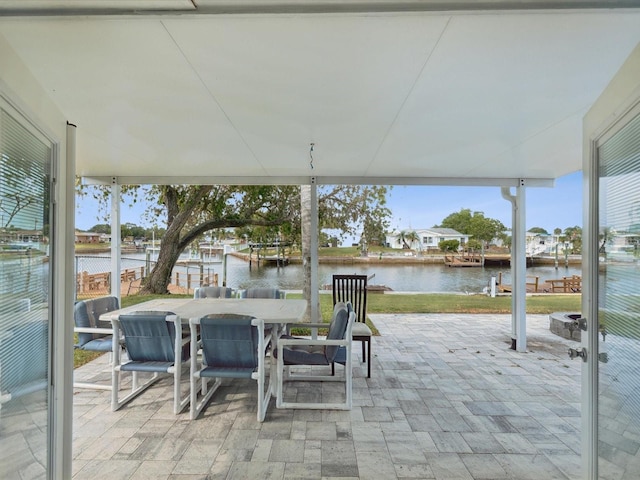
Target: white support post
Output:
[
  {"x": 62, "y": 294},
  {"x": 115, "y": 238},
  {"x": 518, "y": 266},
  {"x": 315, "y": 300}
]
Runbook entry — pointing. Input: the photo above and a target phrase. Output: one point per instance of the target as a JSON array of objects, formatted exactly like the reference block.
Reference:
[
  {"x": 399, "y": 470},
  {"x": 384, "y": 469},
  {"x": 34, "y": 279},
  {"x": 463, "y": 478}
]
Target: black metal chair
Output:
[{"x": 353, "y": 289}]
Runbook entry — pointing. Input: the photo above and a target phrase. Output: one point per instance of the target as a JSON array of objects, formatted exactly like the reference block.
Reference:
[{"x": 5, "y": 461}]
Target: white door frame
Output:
[{"x": 618, "y": 104}]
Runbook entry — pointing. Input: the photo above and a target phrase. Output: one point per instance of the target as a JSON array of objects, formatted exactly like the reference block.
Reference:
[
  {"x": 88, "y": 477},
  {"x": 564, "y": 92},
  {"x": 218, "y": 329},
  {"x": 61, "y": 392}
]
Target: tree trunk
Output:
[
  {"x": 172, "y": 244},
  {"x": 160, "y": 277},
  {"x": 305, "y": 225}
]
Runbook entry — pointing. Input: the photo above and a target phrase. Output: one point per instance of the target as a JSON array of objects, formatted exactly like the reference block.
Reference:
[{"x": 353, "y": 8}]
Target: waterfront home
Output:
[{"x": 425, "y": 239}]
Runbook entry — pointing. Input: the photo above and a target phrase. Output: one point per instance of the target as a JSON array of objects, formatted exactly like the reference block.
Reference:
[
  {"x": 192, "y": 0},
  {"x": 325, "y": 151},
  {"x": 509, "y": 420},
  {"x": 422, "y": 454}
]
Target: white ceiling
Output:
[{"x": 421, "y": 97}]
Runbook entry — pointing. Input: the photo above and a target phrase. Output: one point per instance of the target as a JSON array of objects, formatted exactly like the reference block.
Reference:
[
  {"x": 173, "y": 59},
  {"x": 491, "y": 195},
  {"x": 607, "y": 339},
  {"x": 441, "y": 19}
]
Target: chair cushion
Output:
[
  {"x": 261, "y": 292},
  {"x": 337, "y": 329},
  {"x": 213, "y": 292},
  {"x": 303, "y": 355},
  {"x": 360, "y": 329},
  {"x": 102, "y": 344}
]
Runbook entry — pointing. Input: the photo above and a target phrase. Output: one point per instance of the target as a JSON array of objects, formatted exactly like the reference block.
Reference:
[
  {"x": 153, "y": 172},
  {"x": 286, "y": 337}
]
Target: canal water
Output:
[{"x": 404, "y": 278}]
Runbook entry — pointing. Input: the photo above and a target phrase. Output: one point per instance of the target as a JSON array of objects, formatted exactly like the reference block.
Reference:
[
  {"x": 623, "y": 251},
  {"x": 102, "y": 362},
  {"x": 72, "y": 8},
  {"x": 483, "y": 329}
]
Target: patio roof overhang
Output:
[{"x": 465, "y": 93}]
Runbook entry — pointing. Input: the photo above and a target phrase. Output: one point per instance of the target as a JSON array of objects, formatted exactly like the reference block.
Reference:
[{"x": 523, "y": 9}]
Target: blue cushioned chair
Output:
[
  {"x": 94, "y": 335},
  {"x": 233, "y": 346},
  {"x": 262, "y": 292},
  {"x": 213, "y": 292},
  {"x": 152, "y": 347},
  {"x": 313, "y": 352}
]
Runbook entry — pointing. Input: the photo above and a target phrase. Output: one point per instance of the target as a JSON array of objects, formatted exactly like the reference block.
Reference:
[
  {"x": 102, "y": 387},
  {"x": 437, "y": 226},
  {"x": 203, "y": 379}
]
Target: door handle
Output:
[{"x": 578, "y": 352}]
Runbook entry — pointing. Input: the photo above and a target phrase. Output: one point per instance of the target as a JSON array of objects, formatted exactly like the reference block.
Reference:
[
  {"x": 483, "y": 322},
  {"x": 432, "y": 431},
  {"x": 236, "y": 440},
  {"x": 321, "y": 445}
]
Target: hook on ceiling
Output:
[{"x": 311, "y": 155}]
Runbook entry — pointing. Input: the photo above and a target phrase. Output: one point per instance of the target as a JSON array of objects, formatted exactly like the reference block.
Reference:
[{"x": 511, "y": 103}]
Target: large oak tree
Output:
[{"x": 193, "y": 210}]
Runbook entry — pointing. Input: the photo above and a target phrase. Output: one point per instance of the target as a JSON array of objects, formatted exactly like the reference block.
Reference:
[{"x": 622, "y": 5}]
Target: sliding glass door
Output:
[{"x": 25, "y": 319}]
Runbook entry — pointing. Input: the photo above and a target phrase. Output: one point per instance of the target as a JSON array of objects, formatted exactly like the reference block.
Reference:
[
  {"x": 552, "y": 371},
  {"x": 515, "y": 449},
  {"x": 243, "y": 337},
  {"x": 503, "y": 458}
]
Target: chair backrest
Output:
[
  {"x": 262, "y": 292},
  {"x": 86, "y": 314},
  {"x": 150, "y": 336},
  {"x": 352, "y": 288},
  {"x": 229, "y": 341},
  {"x": 213, "y": 292},
  {"x": 337, "y": 329}
]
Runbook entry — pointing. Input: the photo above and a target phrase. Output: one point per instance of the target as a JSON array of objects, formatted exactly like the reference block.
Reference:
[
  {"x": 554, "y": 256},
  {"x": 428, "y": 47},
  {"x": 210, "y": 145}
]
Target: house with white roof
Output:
[{"x": 426, "y": 238}]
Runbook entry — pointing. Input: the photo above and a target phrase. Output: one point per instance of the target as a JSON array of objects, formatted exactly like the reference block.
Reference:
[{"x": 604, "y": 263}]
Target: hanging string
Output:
[{"x": 311, "y": 155}]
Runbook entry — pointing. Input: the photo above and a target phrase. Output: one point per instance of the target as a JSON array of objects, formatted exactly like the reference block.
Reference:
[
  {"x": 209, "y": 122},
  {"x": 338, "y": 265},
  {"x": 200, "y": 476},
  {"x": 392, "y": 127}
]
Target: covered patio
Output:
[
  {"x": 417, "y": 92},
  {"x": 449, "y": 400}
]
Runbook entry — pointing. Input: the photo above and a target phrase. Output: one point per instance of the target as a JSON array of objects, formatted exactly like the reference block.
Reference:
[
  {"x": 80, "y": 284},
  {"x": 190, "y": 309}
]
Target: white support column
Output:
[
  {"x": 62, "y": 294},
  {"x": 518, "y": 266},
  {"x": 315, "y": 301},
  {"x": 115, "y": 238}
]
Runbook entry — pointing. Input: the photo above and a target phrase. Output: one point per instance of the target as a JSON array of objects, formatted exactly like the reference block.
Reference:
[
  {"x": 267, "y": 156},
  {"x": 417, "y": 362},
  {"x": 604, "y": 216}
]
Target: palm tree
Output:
[
  {"x": 412, "y": 237},
  {"x": 402, "y": 239}
]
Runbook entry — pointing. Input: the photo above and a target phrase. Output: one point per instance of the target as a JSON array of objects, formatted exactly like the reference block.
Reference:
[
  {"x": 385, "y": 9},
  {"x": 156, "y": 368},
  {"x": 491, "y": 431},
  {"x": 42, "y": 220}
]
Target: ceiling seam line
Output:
[
  {"x": 406, "y": 98},
  {"x": 213, "y": 97}
]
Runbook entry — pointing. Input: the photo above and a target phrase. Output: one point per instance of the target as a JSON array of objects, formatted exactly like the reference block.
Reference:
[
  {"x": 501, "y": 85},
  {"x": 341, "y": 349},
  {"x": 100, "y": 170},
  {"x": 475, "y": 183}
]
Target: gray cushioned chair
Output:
[
  {"x": 94, "y": 335},
  {"x": 152, "y": 347},
  {"x": 317, "y": 352},
  {"x": 213, "y": 292},
  {"x": 262, "y": 292},
  {"x": 233, "y": 346}
]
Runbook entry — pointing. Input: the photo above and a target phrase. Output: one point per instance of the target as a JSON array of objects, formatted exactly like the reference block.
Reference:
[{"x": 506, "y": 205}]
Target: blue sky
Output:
[
  {"x": 549, "y": 208},
  {"x": 423, "y": 207}
]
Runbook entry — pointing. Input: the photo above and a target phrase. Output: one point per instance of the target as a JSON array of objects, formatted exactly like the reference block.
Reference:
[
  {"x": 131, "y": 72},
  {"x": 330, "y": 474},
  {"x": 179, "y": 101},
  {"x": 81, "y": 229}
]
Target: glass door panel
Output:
[
  {"x": 25, "y": 173},
  {"x": 619, "y": 304}
]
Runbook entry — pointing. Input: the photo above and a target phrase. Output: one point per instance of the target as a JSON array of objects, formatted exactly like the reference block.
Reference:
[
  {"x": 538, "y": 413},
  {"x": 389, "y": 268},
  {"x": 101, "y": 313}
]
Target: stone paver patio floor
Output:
[{"x": 447, "y": 400}]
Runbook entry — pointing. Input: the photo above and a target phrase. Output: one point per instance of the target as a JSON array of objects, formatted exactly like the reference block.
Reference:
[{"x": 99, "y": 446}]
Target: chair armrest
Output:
[
  {"x": 304, "y": 341},
  {"x": 106, "y": 331},
  {"x": 309, "y": 325}
]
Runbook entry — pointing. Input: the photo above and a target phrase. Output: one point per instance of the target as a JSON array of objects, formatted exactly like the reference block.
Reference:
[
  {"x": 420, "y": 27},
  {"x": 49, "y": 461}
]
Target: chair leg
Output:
[{"x": 368, "y": 357}]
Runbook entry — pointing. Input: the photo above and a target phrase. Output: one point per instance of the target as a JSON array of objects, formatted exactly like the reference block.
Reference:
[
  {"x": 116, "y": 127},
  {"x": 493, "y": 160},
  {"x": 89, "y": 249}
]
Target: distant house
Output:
[
  {"x": 429, "y": 238},
  {"x": 545, "y": 243},
  {"x": 87, "y": 237}
]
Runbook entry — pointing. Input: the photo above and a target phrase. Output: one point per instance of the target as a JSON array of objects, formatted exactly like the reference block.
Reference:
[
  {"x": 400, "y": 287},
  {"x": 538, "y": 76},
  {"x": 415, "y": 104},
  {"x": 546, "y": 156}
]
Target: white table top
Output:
[{"x": 269, "y": 310}]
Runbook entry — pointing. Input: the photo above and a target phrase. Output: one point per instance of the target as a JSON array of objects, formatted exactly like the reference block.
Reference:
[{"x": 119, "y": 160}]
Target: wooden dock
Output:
[{"x": 465, "y": 259}]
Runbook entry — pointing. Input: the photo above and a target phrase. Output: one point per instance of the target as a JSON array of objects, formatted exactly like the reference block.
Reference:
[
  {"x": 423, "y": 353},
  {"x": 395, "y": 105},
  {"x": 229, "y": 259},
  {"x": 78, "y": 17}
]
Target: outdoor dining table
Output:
[{"x": 276, "y": 313}]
